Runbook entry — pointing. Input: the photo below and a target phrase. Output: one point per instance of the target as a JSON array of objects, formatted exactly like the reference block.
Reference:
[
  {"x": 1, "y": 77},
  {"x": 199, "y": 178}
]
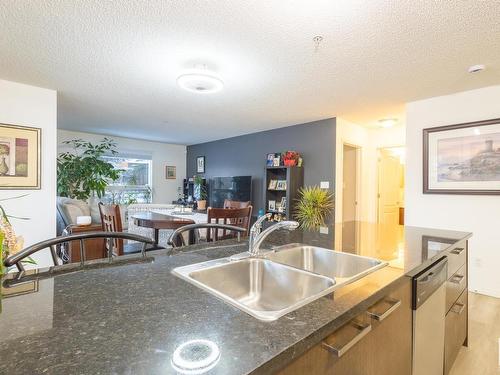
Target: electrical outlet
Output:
[
  {"x": 323, "y": 230},
  {"x": 324, "y": 184}
]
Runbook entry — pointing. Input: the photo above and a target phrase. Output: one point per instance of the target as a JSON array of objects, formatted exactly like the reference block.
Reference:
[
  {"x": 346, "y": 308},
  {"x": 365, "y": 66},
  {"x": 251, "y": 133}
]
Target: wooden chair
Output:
[
  {"x": 236, "y": 204},
  {"x": 178, "y": 238},
  {"x": 111, "y": 221},
  {"x": 239, "y": 217}
]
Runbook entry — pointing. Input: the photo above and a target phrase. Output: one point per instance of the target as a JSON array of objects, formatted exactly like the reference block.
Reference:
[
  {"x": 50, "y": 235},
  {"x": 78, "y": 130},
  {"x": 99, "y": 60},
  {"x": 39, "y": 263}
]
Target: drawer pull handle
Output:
[
  {"x": 457, "y": 279},
  {"x": 363, "y": 330},
  {"x": 457, "y": 250},
  {"x": 393, "y": 305},
  {"x": 458, "y": 308}
]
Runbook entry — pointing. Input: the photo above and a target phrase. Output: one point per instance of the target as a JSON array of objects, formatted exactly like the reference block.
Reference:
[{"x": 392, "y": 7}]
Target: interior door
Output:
[{"x": 389, "y": 182}]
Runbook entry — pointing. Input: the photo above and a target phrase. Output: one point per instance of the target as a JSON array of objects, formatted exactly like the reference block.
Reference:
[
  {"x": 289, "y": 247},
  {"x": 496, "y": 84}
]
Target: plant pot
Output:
[{"x": 202, "y": 205}]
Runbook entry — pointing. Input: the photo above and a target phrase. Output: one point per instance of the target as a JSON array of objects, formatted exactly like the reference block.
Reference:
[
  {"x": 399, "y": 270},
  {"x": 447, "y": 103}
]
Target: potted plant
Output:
[
  {"x": 84, "y": 174},
  {"x": 200, "y": 192},
  {"x": 314, "y": 206}
]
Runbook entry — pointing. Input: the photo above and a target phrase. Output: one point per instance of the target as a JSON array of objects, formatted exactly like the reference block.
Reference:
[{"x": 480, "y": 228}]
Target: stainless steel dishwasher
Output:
[{"x": 429, "y": 311}]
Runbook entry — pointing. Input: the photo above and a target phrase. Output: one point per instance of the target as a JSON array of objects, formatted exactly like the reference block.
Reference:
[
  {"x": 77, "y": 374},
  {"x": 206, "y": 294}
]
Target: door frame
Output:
[
  {"x": 359, "y": 184},
  {"x": 377, "y": 197}
]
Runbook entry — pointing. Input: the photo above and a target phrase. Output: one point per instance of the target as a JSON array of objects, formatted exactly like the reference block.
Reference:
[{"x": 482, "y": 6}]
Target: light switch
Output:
[{"x": 324, "y": 184}]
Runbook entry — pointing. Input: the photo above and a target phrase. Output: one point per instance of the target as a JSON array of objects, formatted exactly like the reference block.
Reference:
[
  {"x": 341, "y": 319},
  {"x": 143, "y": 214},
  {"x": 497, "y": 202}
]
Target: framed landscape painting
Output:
[
  {"x": 462, "y": 158},
  {"x": 19, "y": 157}
]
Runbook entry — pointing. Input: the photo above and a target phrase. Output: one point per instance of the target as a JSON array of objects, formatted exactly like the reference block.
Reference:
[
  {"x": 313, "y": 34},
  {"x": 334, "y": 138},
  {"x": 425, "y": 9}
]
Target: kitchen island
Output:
[{"x": 130, "y": 317}]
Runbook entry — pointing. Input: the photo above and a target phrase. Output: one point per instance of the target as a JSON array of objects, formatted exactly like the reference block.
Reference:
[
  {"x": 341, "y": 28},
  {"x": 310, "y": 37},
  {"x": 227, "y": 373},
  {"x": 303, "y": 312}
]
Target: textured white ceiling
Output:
[{"x": 115, "y": 63}]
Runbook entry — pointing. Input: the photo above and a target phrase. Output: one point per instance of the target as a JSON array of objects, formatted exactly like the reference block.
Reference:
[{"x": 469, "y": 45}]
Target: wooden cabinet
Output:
[
  {"x": 376, "y": 342},
  {"x": 456, "y": 325}
]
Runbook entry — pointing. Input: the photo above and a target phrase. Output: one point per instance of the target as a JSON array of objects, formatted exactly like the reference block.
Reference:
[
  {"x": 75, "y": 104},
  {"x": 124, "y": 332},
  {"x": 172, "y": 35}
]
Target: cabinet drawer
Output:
[
  {"x": 455, "y": 331},
  {"x": 457, "y": 257},
  {"x": 455, "y": 286}
]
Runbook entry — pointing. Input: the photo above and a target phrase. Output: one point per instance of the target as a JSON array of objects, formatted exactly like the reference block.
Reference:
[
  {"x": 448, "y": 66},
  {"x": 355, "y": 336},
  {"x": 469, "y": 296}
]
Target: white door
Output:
[{"x": 389, "y": 186}]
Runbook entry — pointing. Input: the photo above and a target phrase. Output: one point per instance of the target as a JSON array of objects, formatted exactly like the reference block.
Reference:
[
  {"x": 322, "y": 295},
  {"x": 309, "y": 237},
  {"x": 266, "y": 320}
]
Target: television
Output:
[{"x": 236, "y": 188}]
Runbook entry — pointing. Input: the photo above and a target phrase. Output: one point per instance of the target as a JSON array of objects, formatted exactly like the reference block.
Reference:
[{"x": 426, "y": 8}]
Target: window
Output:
[{"x": 134, "y": 184}]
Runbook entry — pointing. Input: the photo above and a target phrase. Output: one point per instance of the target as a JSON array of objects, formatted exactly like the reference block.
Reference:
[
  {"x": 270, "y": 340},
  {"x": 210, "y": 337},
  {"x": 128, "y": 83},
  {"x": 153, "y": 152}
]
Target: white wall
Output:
[
  {"x": 162, "y": 154},
  {"x": 36, "y": 107},
  {"x": 478, "y": 214}
]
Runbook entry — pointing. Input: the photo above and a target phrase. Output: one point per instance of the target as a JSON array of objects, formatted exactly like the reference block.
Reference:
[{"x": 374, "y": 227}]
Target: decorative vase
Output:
[
  {"x": 202, "y": 205},
  {"x": 4, "y": 168}
]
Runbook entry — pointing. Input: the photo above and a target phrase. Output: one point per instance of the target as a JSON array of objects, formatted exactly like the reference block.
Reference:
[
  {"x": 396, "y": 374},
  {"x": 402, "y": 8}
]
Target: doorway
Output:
[
  {"x": 350, "y": 172},
  {"x": 391, "y": 185}
]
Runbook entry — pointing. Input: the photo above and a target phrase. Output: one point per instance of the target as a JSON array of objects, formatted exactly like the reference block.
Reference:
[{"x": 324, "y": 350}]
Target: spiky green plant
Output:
[{"x": 314, "y": 207}]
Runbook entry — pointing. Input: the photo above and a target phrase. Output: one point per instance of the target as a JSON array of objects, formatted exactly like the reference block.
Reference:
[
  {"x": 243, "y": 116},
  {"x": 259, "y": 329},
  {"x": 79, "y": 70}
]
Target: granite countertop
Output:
[{"x": 129, "y": 317}]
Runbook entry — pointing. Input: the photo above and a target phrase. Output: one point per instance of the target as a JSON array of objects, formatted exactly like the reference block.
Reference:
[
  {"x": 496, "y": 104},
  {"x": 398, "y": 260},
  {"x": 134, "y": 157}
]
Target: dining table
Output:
[{"x": 157, "y": 222}]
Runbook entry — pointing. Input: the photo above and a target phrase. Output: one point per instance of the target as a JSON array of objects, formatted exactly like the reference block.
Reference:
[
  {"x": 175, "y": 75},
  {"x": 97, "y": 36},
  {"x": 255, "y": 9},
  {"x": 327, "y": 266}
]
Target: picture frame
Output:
[
  {"x": 277, "y": 160},
  {"x": 462, "y": 159},
  {"x": 20, "y": 157},
  {"x": 170, "y": 172},
  {"x": 272, "y": 205},
  {"x": 200, "y": 164},
  {"x": 283, "y": 203},
  {"x": 270, "y": 160},
  {"x": 272, "y": 184},
  {"x": 281, "y": 185}
]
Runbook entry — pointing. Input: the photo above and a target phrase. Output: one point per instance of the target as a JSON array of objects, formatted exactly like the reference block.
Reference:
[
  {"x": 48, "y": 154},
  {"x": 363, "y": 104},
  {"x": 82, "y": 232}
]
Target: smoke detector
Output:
[{"x": 476, "y": 68}]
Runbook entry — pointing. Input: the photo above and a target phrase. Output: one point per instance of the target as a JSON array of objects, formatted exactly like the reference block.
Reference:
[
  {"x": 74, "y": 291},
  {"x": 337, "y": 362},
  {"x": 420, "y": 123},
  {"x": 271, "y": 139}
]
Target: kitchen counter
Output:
[{"x": 129, "y": 317}]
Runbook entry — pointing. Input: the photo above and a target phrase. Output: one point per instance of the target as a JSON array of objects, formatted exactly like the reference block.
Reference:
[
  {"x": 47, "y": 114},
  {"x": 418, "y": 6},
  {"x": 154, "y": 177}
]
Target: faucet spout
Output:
[{"x": 254, "y": 244}]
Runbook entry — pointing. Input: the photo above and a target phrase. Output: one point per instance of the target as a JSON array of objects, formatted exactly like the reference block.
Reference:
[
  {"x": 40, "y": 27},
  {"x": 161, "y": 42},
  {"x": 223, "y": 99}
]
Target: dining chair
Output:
[
  {"x": 236, "y": 204},
  {"x": 191, "y": 232},
  {"x": 17, "y": 259},
  {"x": 239, "y": 217},
  {"x": 111, "y": 221}
]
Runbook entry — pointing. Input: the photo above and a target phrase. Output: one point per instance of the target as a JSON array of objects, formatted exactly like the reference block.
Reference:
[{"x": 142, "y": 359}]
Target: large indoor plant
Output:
[
  {"x": 200, "y": 192},
  {"x": 10, "y": 243},
  {"x": 83, "y": 173},
  {"x": 314, "y": 207}
]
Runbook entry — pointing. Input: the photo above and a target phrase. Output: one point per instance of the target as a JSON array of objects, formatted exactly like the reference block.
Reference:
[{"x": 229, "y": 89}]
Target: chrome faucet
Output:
[{"x": 257, "y": 237}]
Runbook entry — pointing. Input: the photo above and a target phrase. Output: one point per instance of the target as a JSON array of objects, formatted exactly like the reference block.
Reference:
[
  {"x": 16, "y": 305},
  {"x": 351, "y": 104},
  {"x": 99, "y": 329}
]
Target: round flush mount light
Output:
[
  {"x": 200, "y": 83},
  {"x": 476, "y": 68},
  {"x": 388, "y": 122}
]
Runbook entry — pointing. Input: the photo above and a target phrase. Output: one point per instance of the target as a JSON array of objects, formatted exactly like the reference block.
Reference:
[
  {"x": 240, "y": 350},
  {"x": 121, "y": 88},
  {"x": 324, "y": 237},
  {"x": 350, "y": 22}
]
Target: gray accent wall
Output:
[{"x": 246, "y": 155}]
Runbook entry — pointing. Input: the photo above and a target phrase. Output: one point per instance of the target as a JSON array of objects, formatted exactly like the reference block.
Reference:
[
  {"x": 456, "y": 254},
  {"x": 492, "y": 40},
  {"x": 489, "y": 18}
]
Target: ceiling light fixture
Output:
[
  {"x": 476, "y": 68},
  {"x": 200, "y": 82},
  {"x": 388, "y": 122}
]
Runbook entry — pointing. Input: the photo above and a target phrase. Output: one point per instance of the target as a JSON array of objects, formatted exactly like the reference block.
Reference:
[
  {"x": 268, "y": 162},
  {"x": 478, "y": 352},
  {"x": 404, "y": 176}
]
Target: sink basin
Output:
[
  {"x": 343, "y": 267},
  {"x": 260, "y": 287}
]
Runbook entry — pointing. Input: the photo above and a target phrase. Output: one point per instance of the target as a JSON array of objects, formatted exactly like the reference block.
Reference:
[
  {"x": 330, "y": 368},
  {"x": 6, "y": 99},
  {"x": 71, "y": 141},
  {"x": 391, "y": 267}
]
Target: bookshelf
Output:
[{"x": 286, "y": 184}]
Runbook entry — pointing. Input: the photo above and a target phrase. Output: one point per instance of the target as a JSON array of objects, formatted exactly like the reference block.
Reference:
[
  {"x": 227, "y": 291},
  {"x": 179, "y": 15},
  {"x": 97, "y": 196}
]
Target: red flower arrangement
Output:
[{"x": 290, "y": 158}]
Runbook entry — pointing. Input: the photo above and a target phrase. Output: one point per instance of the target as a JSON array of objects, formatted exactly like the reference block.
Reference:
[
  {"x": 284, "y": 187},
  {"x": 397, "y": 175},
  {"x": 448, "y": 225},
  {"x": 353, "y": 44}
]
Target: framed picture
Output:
[
  {"x": 283, "y": 203},
  {"x": 276, "y": 160},
  {"x": 20, "y": 157},
  {"x": 272, "y": 206},
  {"x": 272, "y": 184},
  {"x": 281, "y": 185},
  {"x": 462, "y": 158},
  {"x": 200, "y": 164},
  {"x": 270, "y": 160},
  {"x": 170, "y": 172}
]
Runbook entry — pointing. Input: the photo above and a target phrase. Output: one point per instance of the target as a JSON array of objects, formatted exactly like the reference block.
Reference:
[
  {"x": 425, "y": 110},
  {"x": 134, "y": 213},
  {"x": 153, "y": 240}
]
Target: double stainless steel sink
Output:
[{"x": 280, "y": 281}]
